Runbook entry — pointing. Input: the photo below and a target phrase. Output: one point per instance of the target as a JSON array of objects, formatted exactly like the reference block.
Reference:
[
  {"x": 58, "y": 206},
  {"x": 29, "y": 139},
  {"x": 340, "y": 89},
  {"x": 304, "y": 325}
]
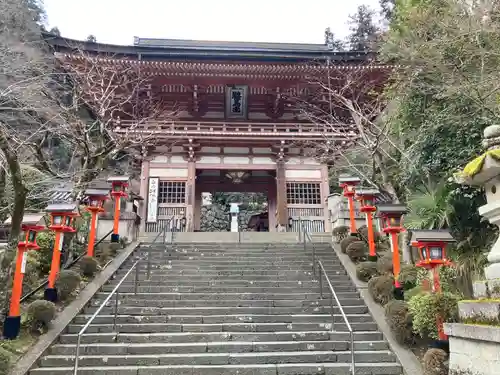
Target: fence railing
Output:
[
  {"x": 319, "y": 271},
  {"x": 161, "y": 236}
]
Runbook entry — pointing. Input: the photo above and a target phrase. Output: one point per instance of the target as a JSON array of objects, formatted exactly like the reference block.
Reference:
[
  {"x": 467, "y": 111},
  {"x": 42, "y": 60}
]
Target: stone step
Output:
[
  {"x": 389, "y": 368},
  {"x": 210, "y": 319},
  {"x": 215, "y": 347},
  {"x": 190, "y": 337},
  {"x": 195, "y": 308},
  {"x": 298, "y": 288},
  {"x": 235, "y": 282},
  {"x": 214, "y": 274},
  {"x": 218, "y": 358},
  {"x": 231, "y": 267},
  {"x": 162, "y": 293},
  {"x": 199, "y": 277},
  {"x": 221, "y": 327}
]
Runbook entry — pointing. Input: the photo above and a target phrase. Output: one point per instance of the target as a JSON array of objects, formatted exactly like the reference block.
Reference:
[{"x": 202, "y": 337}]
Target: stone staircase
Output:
[{"x": 227, "y": 308}]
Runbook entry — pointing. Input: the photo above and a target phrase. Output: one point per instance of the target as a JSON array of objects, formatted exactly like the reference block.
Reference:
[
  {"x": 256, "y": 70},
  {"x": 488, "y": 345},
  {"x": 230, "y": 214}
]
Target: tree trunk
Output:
[{"x": 7, "y": 262}]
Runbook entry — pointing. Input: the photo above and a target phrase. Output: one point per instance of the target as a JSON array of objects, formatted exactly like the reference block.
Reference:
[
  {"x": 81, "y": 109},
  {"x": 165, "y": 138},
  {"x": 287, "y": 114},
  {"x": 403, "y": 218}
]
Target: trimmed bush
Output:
[
  {"x": 5, "y": 361},
  {"x": 425, "y": 307},
  {"x": 381, "y": 288},
  {"x": 357, "y": 251},
  {"x": 67, "y": 282},
  {"x": 435, "y": 362},
  {"x": 384, "y": 264},
  {"x": 399, "y": 319},
  {"x": 346, "y": 242},
  {"x": 88, "y": 266},
  {"x": 40, "y": 314},
  {"x": 366, "y": 270},
  {"x": 339, "y": 233},
  {"x": 408, "y": 276},
  {"x": 363, "y": 231}
]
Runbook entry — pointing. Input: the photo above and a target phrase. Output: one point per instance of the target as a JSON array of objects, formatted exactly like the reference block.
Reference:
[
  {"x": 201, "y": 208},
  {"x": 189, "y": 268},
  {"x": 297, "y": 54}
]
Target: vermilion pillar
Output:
[
  {"x": 367, "y": 199},
  {"x": 12, "y": 323},
  {"x": 349, "y": 183},
  {"x": 95, "y": 201},
  {"x": 61, "y": 222},
  {"x": 119, "y": 186},
  {"x": 392, "y": 214}
]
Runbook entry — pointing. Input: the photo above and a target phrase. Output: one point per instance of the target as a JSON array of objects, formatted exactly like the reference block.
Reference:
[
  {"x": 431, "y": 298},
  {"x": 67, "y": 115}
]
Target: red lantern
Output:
[
  {"x": 119, "y": 186},
  {"x": 30, "y": 228},
  {"x": 95, "y": 199},
  {"x": 348, "y": 184},
  {"x": 367, "y": 199}
]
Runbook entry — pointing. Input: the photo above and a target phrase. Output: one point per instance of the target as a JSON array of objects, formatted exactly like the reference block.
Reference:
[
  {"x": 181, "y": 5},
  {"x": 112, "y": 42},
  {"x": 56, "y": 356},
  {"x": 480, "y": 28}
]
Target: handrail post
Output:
[
  {"x": 117, "y": 295},
  {"x": 320, "y": 282},
  {"x": 300, "y": 228},
  {"x": 353, "y": 362},
  {"x": 136, "y": 284},
  {"x": 314, "y": 259},
  {"x": 77, "y": 354},
  {"x": 149, "y": 263}
]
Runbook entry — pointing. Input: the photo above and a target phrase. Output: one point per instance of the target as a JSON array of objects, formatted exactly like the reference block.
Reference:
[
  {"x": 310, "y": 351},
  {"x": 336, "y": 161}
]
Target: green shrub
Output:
[
  {"x": 346, "y": 242},
  {"x": 435, "y": 362},
  {"x": 408, "y": 276},
  {"x": 67, "y": 282},
  {"x": 40, "y": 314},
  {"x": 381, "y": 288},
  {"x": 339, "y": 233},
  {"x": 5, "y": 361},
  {"x": 399, "y": 319},
  {"x": 88, "y": 266},
  {"x": 382, "y": 246},
  {"x": 384, "y": 264},
  {"x": 426, "y": 306},
  {"x": 46, "y": 242},
  {"x": 363, "y": 231},
  {"x": 357, "y": 251},
  {"x": 366, "y": 270},
  {"x": 409, "y": 294}
]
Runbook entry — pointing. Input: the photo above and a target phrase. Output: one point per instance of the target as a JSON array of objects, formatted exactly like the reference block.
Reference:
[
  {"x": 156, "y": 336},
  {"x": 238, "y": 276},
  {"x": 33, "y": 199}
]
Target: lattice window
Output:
[
  {"x": 172, "y": 192},
  {"x": 303, "y": 193}
]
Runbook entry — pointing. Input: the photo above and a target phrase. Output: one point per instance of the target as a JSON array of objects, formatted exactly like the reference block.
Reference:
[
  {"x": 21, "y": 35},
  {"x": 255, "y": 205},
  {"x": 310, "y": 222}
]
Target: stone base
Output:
[
  {"x": 474, "y": 349},
  {"x": 50, "y": 294}
]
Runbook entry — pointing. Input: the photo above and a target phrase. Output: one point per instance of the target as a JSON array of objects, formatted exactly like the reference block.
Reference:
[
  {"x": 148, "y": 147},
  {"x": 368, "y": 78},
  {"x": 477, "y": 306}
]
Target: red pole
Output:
[
  {"x": 350, "y": 199},
  {"x": 50, "y": 293},
  {"x": 371, "y": 236},
  {"x": 90, "y": 247},
  {"x": 395, "y": 258},
  {"x": 439, "y": 319},
  {"x": 116, "y": 236},
  {"x": 17, "y": 286}
]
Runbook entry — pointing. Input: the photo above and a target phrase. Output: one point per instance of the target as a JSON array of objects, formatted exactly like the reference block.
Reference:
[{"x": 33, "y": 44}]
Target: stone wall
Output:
[{"x": 215, "y": 218}]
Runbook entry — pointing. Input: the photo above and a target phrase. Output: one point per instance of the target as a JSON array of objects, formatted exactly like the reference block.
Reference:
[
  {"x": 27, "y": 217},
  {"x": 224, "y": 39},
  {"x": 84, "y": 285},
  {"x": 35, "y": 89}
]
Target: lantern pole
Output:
[
  {"x": 348, "y": 183},
  {"x": 95, "y": 199},
  {"x": 12, "y": 323},
  {"x": 118, "y": 186},
  {"x": 61, "y": 220},
  {"x": 392, "y": 214},
  {"x": 367, "y": 199}
]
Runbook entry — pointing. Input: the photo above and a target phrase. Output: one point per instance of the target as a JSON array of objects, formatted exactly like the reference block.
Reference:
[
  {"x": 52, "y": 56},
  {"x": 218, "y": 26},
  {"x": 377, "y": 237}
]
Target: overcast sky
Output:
[{"x": 118, "y": 21}]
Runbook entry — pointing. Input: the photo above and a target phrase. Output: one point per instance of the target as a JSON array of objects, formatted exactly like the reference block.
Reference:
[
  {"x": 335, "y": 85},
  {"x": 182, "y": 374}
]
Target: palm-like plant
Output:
[{"x": 429, "y": 208}]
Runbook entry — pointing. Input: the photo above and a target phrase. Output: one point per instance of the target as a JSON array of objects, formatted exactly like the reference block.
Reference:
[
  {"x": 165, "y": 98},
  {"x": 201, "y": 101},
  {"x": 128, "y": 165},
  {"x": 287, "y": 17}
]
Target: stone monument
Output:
[{"x": 475, "y": 341}]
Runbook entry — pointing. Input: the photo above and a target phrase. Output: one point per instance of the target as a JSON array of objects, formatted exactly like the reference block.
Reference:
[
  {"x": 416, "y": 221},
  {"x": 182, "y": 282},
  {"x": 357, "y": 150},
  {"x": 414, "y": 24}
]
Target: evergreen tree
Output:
[
  {"x": 55, "y": 31},
  {"x": 333, "y": 43},
  {"x": 364, "y": 31},
  {"x": 92, "y": 39}
]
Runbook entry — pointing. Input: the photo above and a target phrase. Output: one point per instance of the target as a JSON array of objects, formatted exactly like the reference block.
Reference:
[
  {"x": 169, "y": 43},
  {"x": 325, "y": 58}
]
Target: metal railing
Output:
[
  {"x": 317, "y": 265},
  {"x": 116, "y": 293}
]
